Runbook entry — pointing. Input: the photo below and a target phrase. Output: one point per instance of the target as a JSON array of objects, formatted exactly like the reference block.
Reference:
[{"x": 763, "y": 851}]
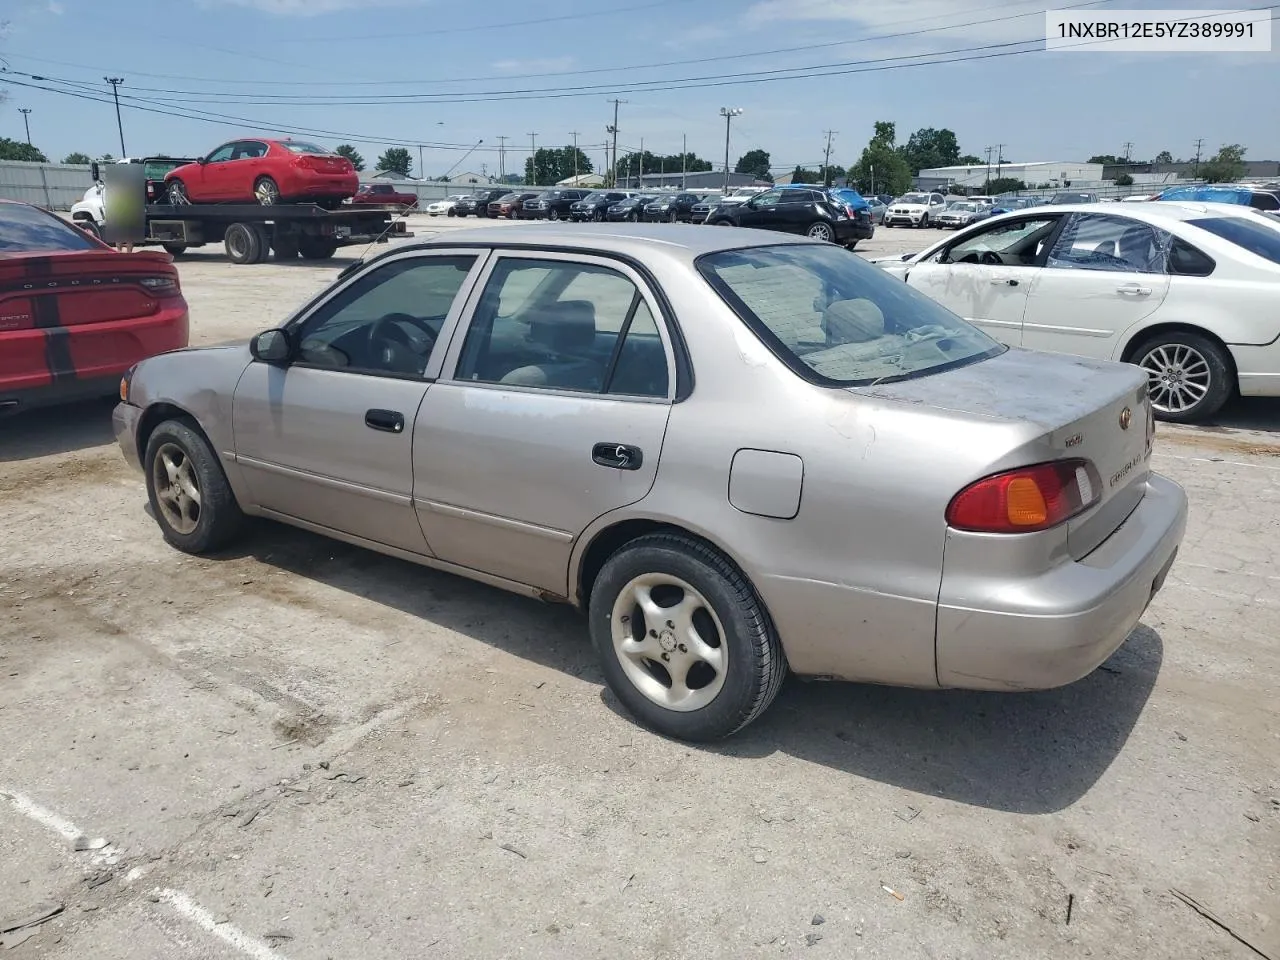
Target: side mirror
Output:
[
  {"x": 272, "y": 346},
  {"x": 202, "y": 161},
  {"x": 95, "y": 172}
]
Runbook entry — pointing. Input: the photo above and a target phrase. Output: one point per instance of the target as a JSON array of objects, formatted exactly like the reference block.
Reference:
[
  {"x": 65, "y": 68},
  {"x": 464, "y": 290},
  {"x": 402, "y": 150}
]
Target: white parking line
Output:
[
  {"x": 202, "y": 918},
  {"x": 59, "y": 825}
]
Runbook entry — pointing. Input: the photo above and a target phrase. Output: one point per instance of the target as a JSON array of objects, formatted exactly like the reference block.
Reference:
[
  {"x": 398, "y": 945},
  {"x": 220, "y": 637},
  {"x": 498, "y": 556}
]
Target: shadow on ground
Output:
[
  {"x": 1248, "y": 413},
  {"x": 51, "y": 430},
  {"x": 1025, "y": 753}
]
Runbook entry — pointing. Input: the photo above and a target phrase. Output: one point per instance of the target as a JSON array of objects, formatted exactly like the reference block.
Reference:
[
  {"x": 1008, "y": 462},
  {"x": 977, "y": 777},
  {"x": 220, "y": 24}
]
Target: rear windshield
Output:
[
  {"x": 1071, "y": 198},
  {"x": 297, "y": 146},
  {"x": 26, "y": 229},
  {"x": 156, "y": 169},
  {"x": 1256, "y": 237},
  {"x": 838, "y": 320}
]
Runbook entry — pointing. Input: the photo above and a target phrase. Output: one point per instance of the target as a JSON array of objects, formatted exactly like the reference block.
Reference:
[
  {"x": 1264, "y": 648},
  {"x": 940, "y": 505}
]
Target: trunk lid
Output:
[
  {"x": 82, "y": 287},
  {"x": 1070, "y": 407}
]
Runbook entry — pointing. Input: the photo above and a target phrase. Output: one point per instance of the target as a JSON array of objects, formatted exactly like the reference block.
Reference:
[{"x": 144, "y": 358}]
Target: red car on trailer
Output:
[{"x": 75, "y": 314}]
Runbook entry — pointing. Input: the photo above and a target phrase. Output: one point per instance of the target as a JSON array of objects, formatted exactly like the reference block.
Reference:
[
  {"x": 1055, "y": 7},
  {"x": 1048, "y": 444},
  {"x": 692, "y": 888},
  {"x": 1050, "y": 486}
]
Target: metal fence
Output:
[{"x": 55, "y": 186}]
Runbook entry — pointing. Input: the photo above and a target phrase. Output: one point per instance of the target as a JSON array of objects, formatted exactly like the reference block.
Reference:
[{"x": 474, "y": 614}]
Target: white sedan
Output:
[
  {"x": 1188, "y": 291},
  {"x": 443, "y": 208}
]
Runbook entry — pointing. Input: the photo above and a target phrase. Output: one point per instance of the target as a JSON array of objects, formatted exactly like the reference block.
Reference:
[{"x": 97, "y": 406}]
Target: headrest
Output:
[
  {"x": 852, "y": 321},
  {"x": 565, "y": 326}
]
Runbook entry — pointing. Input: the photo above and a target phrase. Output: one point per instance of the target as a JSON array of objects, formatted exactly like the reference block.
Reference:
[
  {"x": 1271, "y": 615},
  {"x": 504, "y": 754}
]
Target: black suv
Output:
[
  {"x": 817, "y": 212},
  {"x": 631, "y": 209},
  {"x": 594, "y": 205},
  {"x": 552, "y": 205},
  {"x": 478, "y": 203},
  {"x": 672, "y": 209}
]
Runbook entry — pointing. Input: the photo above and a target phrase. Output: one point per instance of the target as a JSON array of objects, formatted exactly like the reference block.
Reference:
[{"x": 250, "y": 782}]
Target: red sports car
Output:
[
  {"x": 384, "y": 193},
  {"x": 74, "y": 313},
  {"x": 265, "y": 172}
]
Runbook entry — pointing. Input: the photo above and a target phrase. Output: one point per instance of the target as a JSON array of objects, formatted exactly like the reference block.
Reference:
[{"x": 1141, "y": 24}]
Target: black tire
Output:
[
  {"x": 721, "y": 223},
  {"x": 553, "y": 214},
  {"x": 266, "y": 191},
  {"x": 176, "y": 193},
  {"x": 1152, "y": 355},
  {"x": 316, "y": 248},
  {"x": 175, "y": 249},
  {"x": 89, "y": 227},
  {"x": 851, "y": 245},
  {"x": 924, "y": 222},
  {"x": 243, "y": 243},
  {"x": 285, "y": 246},
  {"x": 219, "y": 519},
  {"x": 756, "y": 664}
]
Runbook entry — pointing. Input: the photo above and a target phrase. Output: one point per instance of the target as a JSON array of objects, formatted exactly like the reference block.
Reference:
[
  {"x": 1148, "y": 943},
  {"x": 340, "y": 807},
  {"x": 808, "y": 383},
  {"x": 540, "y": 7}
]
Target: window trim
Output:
[
  {"x": 434, "y": 360},
  {"x": 452, "y": 358}
]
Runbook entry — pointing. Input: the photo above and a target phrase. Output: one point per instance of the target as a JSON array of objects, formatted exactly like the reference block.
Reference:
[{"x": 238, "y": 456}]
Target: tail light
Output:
[
  {"x": 161, "y": 286},
  {"x": 1027, "y": 499}
]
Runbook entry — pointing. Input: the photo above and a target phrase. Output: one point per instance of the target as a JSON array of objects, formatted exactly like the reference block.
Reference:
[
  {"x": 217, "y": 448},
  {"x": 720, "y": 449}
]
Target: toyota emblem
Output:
[{"x": 1126, "y": 417}]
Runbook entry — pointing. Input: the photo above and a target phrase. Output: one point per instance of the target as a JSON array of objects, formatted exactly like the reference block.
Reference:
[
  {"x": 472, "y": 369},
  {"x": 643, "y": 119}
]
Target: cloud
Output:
[
  {"x": 927, "y": 22},
  {"x": 546, "y": 65},
  {"x": 302, "y": 8},
  {"x": 56, "y": 8}
]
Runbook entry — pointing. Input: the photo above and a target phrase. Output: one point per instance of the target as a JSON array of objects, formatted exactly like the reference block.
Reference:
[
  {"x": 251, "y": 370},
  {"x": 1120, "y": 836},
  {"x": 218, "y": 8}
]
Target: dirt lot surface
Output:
[{"x": 303, "y": 750}]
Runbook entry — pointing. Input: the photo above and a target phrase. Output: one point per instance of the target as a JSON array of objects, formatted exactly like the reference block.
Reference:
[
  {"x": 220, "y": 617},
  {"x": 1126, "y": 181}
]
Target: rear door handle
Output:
[
  {"x": 1133, "y": 289},
  {"x": 1003, "y": 282},
  {"x": 391, "y": 421},
  {"x": 619, "y": 456}
]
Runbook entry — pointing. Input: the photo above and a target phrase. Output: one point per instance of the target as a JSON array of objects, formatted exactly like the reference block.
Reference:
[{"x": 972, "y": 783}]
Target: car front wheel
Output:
[
  {"x": 683, "y": 639},
  {"x": 1189, "y": 375},
  {"x": 190, "y": 497}
]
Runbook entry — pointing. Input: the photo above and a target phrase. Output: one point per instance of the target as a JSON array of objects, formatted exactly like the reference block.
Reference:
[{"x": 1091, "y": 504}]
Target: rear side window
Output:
[
  {"x": 26, "y": 229},
  {"x": 1257, "y": 237},
  {"x": 1186, "y": 261}
]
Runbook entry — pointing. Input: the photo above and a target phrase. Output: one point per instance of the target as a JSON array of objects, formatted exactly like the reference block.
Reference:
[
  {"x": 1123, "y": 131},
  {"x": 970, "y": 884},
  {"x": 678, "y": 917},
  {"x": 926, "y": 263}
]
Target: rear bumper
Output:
[
  {"x": 1052, "y": 629},
  {"x": 69, "y": 391},
  {"x": 853, "y": 229},
  {"x": 1259, "y": 368},
  {"x": 124, "y": 424}
]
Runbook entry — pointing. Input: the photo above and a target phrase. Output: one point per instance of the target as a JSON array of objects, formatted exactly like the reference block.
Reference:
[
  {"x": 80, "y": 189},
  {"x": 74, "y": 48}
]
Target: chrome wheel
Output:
[
  {"x": 1179, "y": 377},
  {"x": 669, "y": 642},
  {"x": 178, "y": 193},
  {"x": 821, "y": 231},
  {"x": 176, "y": 486},
  {"x": 267, "y": 192}
]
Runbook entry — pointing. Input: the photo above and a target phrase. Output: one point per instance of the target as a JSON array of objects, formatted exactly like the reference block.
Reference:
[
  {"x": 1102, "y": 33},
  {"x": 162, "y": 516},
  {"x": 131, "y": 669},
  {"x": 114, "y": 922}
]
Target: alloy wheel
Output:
[
  {"x": 669, "y": 642},
  {"x": 267, "y": 192},
  {"x": 821, "y": 231},
  {"x": 177, "y": 488},
  {"x": 1179, "y": 377}
]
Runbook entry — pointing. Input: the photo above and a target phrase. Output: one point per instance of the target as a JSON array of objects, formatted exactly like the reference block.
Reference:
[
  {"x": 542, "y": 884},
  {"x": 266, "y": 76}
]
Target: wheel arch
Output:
[
  {"x": 1139, "y": 337},
  {"x": 157, "y": 413}
]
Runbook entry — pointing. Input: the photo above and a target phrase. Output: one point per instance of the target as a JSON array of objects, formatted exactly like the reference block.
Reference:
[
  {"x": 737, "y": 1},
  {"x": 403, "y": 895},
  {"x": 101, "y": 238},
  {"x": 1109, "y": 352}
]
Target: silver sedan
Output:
[{"x": 737, "y": 453}]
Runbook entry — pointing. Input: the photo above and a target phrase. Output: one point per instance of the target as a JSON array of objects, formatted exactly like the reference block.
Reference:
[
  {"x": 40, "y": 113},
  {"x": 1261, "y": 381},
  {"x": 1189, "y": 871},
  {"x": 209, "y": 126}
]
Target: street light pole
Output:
[
  {"x": 574, "y": 134},
  {"x": 115, "y": 92},
  {"x": 533, "y": 159},
  {"x": 684, "y": 161},
  {"x": 26, "y": 112},
  {"x": 613, "y": 171},
  {"x": 728, "y": 113},
  {"x": 826, "y": 162}
]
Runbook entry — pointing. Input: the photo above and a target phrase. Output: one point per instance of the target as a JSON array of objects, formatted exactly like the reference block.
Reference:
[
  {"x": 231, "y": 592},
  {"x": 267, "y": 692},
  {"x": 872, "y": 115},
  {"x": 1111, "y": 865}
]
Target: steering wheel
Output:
[
  {"x": 391, "y": 346},
  {"x": 991, "y": 258}
]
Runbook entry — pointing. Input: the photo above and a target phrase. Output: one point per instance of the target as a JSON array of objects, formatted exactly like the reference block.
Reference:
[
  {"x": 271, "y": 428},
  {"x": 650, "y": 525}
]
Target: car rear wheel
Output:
[
  {"x": 820, "y": 230},
  {"x": 722, "y": 223},
  {"x": 266, "y": 191},
  {"x": 190, "y": 497},
  {"x": 177, "y": 193},
  {"x": 683, "y": 639},
  {"x": 1189, "y": 375}
]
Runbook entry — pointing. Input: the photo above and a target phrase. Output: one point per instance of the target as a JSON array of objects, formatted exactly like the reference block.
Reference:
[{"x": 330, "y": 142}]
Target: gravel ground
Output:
[{"x": 304, "y": 750}]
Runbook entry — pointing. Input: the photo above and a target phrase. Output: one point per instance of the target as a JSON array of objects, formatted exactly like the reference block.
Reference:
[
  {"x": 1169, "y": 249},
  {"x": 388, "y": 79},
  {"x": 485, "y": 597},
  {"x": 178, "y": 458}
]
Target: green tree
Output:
[
  {"x": 882, "y": 168},
  {"x": 756, "y": 163},
  {"x": 350, "y": 152},
  {"x": 803, "y": 175},
  {"x": 551, "y": 165},
  {"x": 396, "y": 160},
  {"x": 1106, "y": 158},
  {"x": 106, "y": 158},
  {"x": 1124, "y": 180},
  {"x": 1225, "y": 165},
  {"x": 998, "y": 185},
  {"x": 633, "y": 164},
  {"x": 1164, "y": 156},
  {"x": 928, "y": 148},
  {"x": 78, "y": 157},
  {"x": 968, "y": 160},
  {"x": 17, "y": 150}
]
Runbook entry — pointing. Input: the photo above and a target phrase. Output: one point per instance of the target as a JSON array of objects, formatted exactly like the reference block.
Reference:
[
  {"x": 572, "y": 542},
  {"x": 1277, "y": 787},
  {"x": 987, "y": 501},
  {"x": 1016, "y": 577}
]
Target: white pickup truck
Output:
[{"x": 89, "y": 213}]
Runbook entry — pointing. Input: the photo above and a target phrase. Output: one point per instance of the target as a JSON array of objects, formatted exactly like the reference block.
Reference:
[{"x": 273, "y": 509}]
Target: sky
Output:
[{"x": 448, "y": 75}]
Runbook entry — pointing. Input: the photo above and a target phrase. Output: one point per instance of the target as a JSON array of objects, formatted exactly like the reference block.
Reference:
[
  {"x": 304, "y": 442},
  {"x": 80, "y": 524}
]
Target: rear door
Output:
[
  {"x": 550, "y": 411},
  {"x": 1104, "y": 274}
]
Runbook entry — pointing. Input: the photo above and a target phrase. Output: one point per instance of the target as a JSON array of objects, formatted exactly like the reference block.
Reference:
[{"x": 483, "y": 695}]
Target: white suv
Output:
[{"x": 915, "y": 209}]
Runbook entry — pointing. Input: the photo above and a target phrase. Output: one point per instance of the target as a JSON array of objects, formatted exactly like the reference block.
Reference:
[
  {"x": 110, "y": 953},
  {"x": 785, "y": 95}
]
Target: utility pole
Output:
[
  {"x": 421, "y": 169},
  {"x": 533, "y": 159},
  {"x": 115, "y": 92},
  {"x": 826, "y": 162},
  {"x": 684, "y": 161},
  {"x": 26, "y": 112},
  {"x": 640, "y": 165},
  {"x": 574, "y": 134},
  {"x": 502, "y": 158},
  {"x": 1128, "y": 150},
  {"x": 989, "y": 151},
  {"x": 728, "y": 113},
  {"x": 1195, "y": 173},
  {"x": 999, "y": 158},
  {"x": 613, "y": 130}
]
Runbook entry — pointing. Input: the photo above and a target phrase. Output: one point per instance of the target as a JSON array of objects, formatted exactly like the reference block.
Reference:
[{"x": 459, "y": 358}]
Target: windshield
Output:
[
  {"x": 297, "y": 146},
  {"x": 1255, "y": 236},
  {"x": 25, "y": 229},
  {"x": 962, "y": 206},
  {"x": 1070, "y": 198},
  {"x": 838, "y": 320},
  {"x": 156, "y": 169},
  {"x": 915, "y": 198}
]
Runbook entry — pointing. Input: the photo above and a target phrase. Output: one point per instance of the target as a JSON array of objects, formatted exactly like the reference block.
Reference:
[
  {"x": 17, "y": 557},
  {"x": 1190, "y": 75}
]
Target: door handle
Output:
[
  {"x": 1003, "y": 282},
  {"x": 619, "y": 456},
  {"x": 1133, "y": 289},
  {"x": 391, "y": 421}
]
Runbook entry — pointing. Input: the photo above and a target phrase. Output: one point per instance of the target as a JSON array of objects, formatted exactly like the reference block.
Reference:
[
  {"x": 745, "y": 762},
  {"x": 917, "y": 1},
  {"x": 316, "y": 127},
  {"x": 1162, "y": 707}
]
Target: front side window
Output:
[
  {"x": 1092, "y": 241},
  {"x": 838, "y": 320},
  {"x": 770, "y": 199},
  {"x": 26, "y": 229},
  {"x": 387, "y": 321},
  {"x": 1016, "y": 244},
  {"x": 564, "y": 326},
  {"x": 1258, "y": 237},
  {"x": 222, "y": 153}
]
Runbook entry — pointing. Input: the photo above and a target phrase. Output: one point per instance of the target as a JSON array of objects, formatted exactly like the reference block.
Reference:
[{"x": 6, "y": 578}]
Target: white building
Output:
[
  {"x": 471, "y": 179},
  {"x": 1055, "y": 173}
]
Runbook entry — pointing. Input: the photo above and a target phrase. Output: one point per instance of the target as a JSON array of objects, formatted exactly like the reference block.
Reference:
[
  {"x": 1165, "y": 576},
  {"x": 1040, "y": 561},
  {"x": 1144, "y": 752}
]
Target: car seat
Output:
[{"x": 566, "y": 333}]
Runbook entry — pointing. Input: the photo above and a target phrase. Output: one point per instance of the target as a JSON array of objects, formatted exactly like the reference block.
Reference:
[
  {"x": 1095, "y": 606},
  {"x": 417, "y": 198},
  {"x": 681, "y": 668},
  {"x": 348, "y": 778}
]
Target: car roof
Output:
[
  {"x": 683, "y": 241},
  {"x": 1153, "y": 211}
]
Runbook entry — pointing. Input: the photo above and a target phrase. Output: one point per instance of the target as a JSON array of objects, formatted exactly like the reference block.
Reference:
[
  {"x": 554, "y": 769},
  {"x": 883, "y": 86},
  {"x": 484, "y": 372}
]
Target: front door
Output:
[
  {"x": 1105, "y": 274},
  {"x": 985, "y": 276},
  {"x": 550, "y": 411},
  {"x": 210, "y": 184},
  {"x": 761, "y": 212},
  {"x": 327, "y": 438}
]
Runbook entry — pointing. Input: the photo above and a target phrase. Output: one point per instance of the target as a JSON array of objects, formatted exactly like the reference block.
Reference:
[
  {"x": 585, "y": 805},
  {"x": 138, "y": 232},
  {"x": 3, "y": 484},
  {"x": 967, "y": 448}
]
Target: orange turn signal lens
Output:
[
  {"x": 1026, "y": 499},
  {"x": 1024, "y": 503}
]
